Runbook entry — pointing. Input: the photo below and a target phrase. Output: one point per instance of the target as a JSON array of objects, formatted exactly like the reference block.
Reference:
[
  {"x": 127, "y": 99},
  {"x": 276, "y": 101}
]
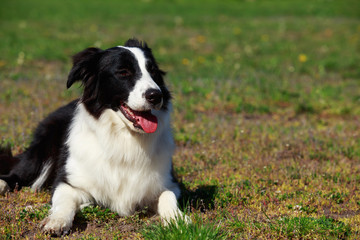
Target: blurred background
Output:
[{"x": 238, "y": 56}]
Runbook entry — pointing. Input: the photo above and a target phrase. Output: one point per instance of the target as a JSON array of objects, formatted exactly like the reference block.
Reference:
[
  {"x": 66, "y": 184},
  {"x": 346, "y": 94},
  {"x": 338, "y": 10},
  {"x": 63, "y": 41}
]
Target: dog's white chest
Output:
[{"x": 120, "y": 171}]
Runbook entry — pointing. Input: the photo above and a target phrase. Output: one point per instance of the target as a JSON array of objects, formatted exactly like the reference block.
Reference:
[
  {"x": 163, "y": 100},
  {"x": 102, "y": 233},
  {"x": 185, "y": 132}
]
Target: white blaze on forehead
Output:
[{"x": 136, "y": 99}]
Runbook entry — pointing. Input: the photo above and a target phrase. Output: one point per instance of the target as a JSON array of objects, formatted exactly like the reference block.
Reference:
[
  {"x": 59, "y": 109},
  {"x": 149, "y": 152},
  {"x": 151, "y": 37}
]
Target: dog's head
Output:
[{"x": 125, "y": 79}]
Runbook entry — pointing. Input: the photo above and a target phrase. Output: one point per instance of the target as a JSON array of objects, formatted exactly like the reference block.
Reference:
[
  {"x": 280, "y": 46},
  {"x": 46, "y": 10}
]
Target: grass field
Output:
[{"x": 266, "y": 111}]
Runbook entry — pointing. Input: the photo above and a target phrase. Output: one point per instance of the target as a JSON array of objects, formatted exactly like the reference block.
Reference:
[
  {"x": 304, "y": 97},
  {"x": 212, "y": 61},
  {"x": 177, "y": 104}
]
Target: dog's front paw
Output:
[
  {"x": 56, "y": 226},
  {"x": 168, "y": 209},
  {"x": 174, "y": 217},
  {"x": 4, "y": 187}
]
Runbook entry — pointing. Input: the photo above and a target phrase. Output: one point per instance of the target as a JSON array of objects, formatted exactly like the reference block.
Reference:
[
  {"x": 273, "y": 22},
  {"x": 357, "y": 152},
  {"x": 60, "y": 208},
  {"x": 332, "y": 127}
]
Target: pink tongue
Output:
[{"x": 147, "y": 121}]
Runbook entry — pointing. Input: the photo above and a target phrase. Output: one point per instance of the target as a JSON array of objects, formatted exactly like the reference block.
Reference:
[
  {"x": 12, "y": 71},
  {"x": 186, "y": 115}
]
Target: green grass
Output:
[
  {"x": 181, "y": 230},
  {"x": 266, "y": 110},
  {"x": 305, "y": 227}
]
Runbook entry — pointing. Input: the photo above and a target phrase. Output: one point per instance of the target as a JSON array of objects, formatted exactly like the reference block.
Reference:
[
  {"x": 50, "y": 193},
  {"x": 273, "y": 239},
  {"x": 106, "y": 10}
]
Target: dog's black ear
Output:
[{"x": 84, "y": 64}]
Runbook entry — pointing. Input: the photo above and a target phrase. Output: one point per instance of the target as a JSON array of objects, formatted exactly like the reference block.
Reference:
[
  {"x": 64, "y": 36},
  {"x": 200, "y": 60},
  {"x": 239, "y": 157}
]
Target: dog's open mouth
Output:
[{"x": 144, "y": 120}]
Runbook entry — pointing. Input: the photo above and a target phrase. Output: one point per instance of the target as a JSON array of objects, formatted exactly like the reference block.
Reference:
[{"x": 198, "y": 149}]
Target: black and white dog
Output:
[{"x": 111, "y": 147}]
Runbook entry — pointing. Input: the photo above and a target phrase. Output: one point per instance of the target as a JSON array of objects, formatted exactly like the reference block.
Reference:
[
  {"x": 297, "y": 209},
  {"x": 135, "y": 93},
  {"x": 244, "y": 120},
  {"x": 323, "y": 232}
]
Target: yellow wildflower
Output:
[
  {"x": 302, "y": 58},
  {"x": 185, "y": 61}
]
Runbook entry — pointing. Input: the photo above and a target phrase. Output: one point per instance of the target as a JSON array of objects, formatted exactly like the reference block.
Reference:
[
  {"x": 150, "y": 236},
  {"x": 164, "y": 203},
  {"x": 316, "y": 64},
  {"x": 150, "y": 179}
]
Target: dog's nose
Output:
[{"x": 154, "y": 96}]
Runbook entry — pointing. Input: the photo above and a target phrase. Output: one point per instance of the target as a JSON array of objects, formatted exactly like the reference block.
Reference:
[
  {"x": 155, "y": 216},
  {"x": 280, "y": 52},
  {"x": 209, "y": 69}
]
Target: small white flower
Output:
[{"x": 297, "y": 207}]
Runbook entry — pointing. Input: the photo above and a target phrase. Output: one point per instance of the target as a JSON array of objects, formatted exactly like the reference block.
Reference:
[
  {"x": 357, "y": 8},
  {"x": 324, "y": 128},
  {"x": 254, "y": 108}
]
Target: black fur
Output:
[
  {"x": 8, "y": 161},
  {"x": 46, "y": 146}
]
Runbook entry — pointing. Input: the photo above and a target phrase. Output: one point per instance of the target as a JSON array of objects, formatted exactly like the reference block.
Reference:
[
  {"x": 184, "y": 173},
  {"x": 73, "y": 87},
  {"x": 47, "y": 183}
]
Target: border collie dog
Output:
[{"x": 112, "y": 147}]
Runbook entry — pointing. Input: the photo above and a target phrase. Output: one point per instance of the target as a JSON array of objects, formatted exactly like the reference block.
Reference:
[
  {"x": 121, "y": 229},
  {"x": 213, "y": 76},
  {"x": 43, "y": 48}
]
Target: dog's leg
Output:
[
  {"x": 168, "y": 208},
  {"x": 66, "y": 202},
  {"x": 4, "y": 187}
]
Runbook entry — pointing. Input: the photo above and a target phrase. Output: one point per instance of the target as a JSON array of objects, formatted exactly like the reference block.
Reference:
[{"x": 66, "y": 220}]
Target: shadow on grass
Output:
[
  {"x": 79, "y": 225},
  {"x": 202, "y": 199}
]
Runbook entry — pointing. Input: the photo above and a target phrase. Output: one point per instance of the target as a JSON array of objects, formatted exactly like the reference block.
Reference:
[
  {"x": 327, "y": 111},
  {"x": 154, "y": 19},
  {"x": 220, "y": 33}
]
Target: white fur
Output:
[{"x": 39, "y": 182}]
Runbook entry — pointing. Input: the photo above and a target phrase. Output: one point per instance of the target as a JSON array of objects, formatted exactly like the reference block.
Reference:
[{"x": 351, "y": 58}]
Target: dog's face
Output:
[{"x": 125, "y": 79}]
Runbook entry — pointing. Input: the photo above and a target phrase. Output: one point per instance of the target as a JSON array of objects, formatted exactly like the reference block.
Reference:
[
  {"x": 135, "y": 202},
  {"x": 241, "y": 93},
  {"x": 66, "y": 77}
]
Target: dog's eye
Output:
[{"x": 124, "y": 73}]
